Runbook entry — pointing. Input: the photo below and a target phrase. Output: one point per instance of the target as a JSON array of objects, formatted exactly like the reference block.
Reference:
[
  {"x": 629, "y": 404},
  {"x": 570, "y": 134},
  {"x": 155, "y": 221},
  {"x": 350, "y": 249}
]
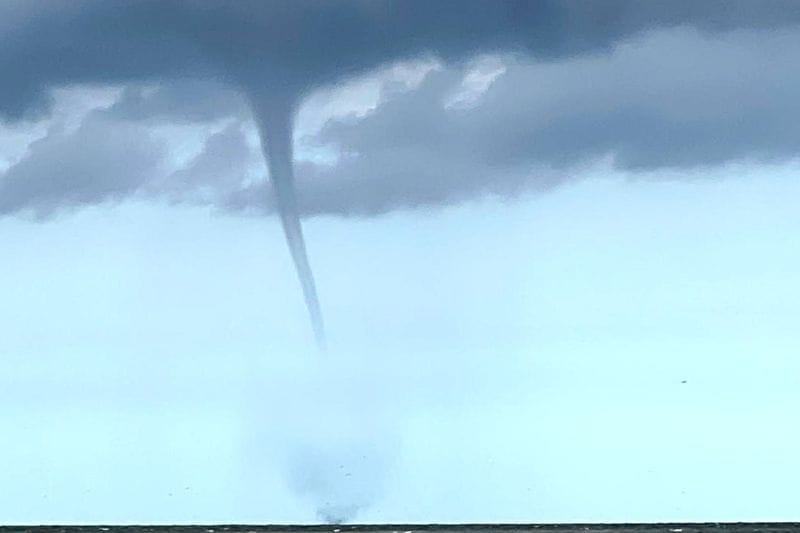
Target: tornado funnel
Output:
[{"x": 275, "y": 125}]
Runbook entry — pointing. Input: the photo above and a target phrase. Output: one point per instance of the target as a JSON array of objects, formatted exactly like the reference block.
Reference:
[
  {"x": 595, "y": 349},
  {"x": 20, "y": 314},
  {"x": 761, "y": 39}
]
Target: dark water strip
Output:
[{"x": 709, "y": 527}]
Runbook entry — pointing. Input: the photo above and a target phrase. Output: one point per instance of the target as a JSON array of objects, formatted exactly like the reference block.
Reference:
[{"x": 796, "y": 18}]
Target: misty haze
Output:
[{"x": 399, "y": 261}]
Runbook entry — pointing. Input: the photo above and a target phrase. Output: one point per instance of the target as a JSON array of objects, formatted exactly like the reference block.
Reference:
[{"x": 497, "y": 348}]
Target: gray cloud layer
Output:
[
  {"x": 301, "y": 43},
  {"x": 674, "y": 99},
  {"x": 616, "y": 78},
  {"x": 99, "y": 161}
]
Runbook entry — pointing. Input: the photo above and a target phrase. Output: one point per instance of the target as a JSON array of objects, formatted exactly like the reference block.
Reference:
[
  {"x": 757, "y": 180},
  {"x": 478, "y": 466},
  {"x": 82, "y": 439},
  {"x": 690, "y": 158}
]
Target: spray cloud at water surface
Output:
[
  {"x": 342, "y": 477},
  {"x": 338, "y": 445}
]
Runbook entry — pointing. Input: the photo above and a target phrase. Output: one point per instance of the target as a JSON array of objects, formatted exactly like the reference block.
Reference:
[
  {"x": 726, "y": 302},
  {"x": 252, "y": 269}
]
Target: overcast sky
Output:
[{"x": 555, "y": 245}]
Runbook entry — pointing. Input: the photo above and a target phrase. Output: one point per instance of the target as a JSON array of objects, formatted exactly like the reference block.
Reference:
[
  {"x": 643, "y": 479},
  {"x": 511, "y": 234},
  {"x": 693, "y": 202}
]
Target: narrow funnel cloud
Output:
[{"x": 275, "y": 122}]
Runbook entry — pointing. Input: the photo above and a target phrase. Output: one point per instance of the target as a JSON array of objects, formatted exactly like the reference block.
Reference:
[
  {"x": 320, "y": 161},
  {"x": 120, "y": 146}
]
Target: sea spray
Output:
[{"x": 326, "y": 430}]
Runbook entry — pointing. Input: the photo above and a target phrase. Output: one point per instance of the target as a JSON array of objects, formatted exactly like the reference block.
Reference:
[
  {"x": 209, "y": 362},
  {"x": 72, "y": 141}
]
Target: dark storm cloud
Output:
[
  {"x": 674, "y": 99},
  {"x": 179, "y": 101},
  {"x": 721, "y": 90},
  {"x": 289, "y": 46}
]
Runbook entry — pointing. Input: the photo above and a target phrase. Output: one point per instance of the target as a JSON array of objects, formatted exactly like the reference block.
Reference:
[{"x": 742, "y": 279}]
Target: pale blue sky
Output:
[{"x": 497, "y": 361}]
